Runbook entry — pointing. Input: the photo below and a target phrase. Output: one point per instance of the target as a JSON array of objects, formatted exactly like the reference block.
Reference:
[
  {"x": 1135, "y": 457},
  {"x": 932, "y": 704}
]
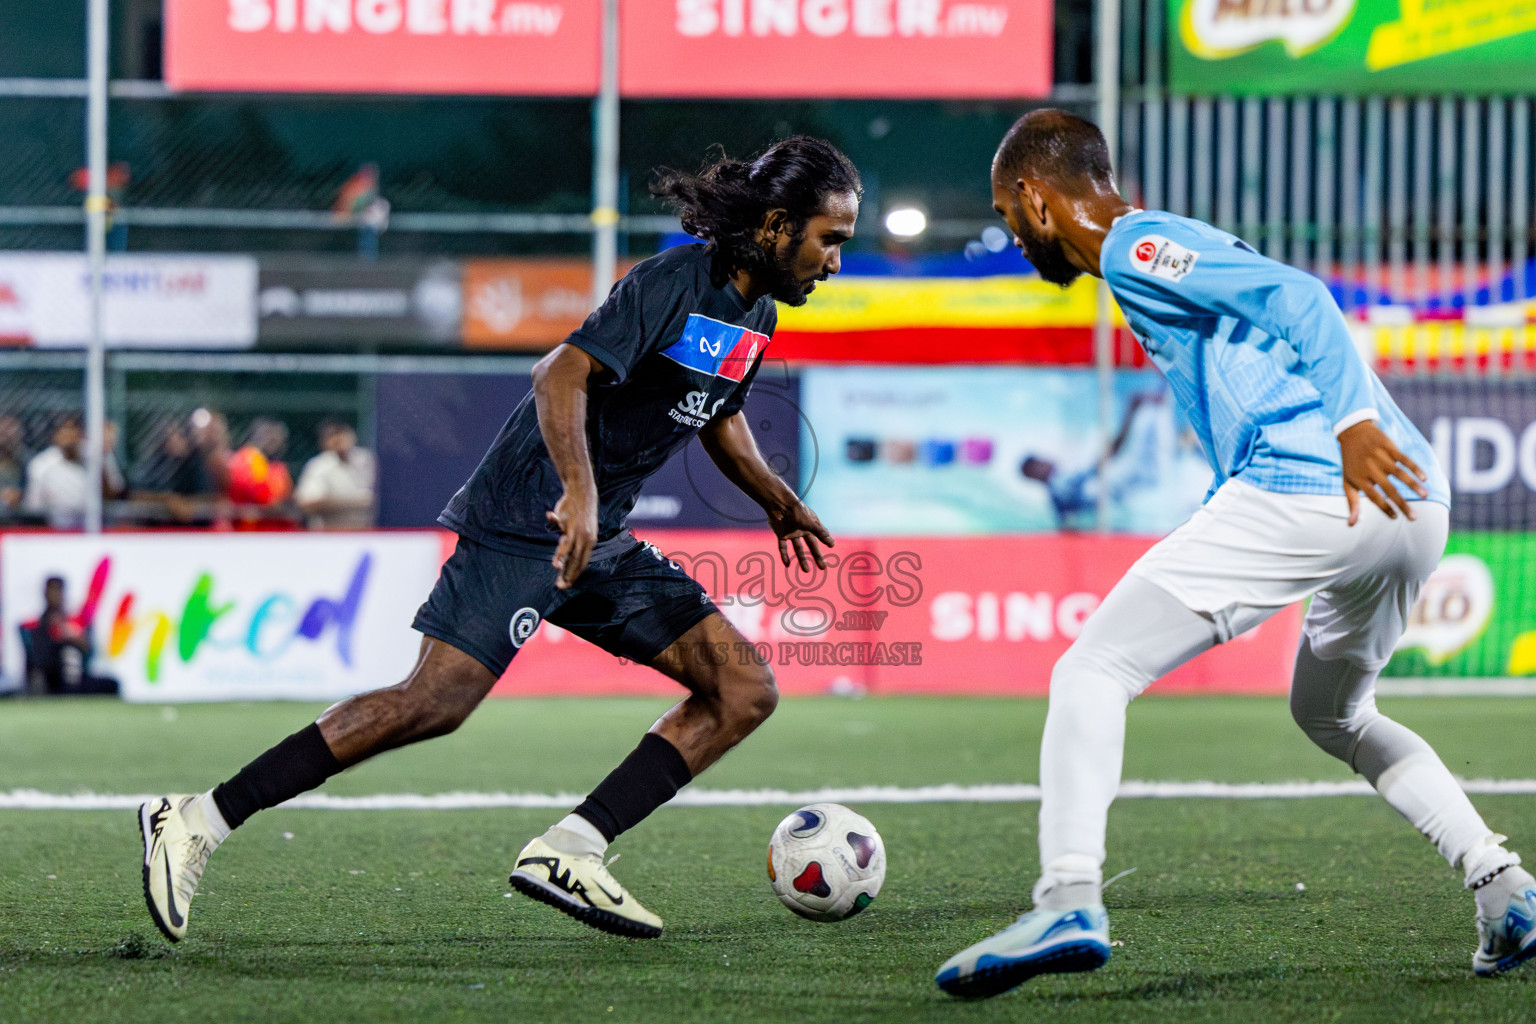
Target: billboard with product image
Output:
[
  {"x": 1476, "y": 617},
  {"x": 969, "y": 450},
  {"x": 1402, "y": 47}
]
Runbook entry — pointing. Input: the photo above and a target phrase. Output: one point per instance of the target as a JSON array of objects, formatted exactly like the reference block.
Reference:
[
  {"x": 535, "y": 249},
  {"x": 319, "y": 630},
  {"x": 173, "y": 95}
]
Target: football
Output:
[{"x": 826, "y": 862}]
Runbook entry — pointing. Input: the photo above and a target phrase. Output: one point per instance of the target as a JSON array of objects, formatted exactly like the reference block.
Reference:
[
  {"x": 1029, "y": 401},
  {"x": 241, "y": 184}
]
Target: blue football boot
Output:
[
  {"x": 1039, "y": 942},
  {"x": 1508, "y": 941}
]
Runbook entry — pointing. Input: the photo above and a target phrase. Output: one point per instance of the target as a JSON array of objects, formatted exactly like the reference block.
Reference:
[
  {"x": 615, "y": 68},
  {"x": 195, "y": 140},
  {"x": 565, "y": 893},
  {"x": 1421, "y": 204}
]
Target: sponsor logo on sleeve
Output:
[{"x": 1161, "y": 257}]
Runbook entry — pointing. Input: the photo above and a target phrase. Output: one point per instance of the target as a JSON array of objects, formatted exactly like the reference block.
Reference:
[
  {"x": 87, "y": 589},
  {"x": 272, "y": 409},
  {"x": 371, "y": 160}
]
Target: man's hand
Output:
[
  {"x": 796, "y": 525},
  {"x": 576, "y": 515},
  {"x": 1371, "y": 463}
]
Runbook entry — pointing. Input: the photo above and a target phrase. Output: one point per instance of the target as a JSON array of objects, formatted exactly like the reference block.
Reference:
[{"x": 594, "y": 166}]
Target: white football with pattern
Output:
[{"x": 826, "y": 862}]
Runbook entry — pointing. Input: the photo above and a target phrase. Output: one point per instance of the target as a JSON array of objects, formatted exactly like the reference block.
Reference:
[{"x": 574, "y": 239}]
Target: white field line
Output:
[{"x": 36, "y": 800}]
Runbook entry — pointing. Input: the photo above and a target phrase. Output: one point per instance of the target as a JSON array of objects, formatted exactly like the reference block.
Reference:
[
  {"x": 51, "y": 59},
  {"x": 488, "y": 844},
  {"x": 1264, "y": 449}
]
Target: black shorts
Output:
[{"x": 632, "y": 604}]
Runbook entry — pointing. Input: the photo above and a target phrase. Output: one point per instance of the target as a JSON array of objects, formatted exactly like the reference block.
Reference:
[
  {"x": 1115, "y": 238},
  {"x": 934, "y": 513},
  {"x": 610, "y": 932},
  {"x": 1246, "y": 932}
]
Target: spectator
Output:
[
  {"x": 113, "y": 484},
  {"x": 256, "y": 474},
  {"x": 173, "y": 467},
  {"x": 56, "y": 477},
  {"x": 59, "y": 649},
  {"x": 13, "y": 463},
  {"x": 210, "y": 436},
  {"x": 336, "y": 488},
  {"x": 174, "y": 474}
]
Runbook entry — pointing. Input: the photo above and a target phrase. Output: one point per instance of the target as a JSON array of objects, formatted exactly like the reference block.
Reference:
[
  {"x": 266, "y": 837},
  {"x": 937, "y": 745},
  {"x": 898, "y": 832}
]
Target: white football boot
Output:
[
  {"x": 1039, "y": 942},
  {"x": 177, "y": 842},
  {"x": 581, "y": 886}
]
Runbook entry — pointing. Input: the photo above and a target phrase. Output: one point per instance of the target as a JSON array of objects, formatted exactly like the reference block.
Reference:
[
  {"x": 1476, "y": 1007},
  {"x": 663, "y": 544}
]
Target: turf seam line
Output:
[{"x": 37, "y": 800}]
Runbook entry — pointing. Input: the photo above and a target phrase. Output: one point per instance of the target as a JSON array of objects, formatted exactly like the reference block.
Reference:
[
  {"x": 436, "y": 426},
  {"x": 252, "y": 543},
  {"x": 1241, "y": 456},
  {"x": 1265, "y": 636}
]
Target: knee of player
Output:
[
  {"x": 439, "y": 710},
  {"x": 437, "y": 719},
  {"x": 1326, "y": 728},
  {"x": 1083, "y": 669},
  {"x": 748, "y": 693}
]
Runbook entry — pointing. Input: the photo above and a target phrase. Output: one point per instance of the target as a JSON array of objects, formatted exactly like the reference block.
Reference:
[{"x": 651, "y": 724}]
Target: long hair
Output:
[{"x": 724, "y": 203}]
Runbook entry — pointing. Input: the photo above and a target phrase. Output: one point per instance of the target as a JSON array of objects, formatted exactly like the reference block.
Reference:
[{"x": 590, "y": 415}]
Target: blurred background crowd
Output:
[{"x": 192, "y": 472}]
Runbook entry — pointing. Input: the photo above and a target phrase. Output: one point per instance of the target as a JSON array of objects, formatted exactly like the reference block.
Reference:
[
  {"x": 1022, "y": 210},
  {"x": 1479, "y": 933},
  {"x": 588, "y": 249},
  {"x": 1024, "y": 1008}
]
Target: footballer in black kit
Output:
[
  {"x": 669, "y": 356},
  {"x": 678, "y": 350}
]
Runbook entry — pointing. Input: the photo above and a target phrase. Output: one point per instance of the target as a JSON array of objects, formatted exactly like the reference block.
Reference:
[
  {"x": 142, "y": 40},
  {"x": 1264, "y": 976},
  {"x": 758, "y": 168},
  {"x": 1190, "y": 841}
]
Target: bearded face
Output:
[
  {"x": 1049, "y": 259},
  {"x": 788, "y": 269},
  {"x": 1046, "y": 255}
]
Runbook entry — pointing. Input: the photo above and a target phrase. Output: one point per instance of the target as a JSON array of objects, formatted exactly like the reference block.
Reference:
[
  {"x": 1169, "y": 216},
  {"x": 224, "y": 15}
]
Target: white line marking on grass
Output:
[{"x": 36, "y": 800}]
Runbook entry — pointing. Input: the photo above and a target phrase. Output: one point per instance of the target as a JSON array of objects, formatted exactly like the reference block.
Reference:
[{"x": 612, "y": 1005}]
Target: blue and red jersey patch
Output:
[{"x": 716, "y": 348}]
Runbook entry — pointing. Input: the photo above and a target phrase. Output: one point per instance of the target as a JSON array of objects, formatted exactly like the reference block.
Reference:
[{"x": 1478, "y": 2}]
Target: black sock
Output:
[
  {"x": 298, "y": 764},
  {"x": 649, "y": 777}
]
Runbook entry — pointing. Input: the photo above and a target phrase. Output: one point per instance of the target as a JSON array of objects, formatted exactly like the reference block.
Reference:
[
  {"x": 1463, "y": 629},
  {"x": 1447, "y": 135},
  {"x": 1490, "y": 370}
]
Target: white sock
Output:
[
  {"x": 575, "y": 834},
  {"x": 1070, "y": 882},
  {"x": 1423, "y": 790},
  {"x": 218, "y": 828}
]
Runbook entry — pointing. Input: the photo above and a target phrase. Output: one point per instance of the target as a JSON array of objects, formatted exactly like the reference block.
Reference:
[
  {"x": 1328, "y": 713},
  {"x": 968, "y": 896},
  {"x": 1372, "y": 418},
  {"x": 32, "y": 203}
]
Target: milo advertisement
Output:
[
  {"x": 1477, "y": 614},
  {"x": 1351, "y": 46}
]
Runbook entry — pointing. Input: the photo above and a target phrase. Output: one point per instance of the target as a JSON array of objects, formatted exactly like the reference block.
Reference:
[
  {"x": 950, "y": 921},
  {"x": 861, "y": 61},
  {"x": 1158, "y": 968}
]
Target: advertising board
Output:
[
  {"x": 969, "y": 450},
  {"x": 320, "y": 299},
  {"x": 919, "y": 49},
  {"x": 148, "y": 301},
  {"x": 905, "y": 615},
  {"x": 229, "y": 617},
  {"x": 1476, "y": 617},
  {"x": 1484, "y": 435},
  {"x": 498, "y": 47},
  {"x": 1412, "y": 47}
]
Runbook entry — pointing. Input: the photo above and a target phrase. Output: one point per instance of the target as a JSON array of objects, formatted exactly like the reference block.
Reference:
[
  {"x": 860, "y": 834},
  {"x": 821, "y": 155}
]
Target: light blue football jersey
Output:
[{"x": 1256, "y": 353}]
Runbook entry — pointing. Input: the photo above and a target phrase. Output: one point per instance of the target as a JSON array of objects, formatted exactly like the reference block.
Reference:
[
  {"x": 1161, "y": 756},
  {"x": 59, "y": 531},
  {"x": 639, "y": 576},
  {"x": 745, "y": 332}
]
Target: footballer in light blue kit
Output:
[{"x": 1297, "y": 429}]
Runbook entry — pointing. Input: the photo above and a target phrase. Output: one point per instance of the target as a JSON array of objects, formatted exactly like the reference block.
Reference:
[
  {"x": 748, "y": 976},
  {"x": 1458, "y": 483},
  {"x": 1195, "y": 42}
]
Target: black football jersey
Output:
[{"x": 680, "y": 348}]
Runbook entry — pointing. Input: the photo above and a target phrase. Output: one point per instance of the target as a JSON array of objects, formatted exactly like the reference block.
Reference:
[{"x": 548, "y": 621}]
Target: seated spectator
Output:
[
  {"x": 336, "y": 488},
  {"x": 56, "y": 477},
  {"x": 13, "y": 464},
  {"x": 59, "y": 649},
  {"x": 256, "y": 474}
]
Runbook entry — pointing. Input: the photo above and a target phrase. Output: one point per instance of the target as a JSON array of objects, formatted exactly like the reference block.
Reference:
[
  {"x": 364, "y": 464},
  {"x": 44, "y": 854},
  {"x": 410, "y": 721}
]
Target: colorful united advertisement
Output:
[
  {"x": 919, "y": 49},
  {"x": 968, "y": 450},
  {"x": 1352, "y": 46},
  {"x": 1476, "y": 617},
  {"x": 225, "y": 617},
  {"x": 903, "y": 615},
  {"x": 502, "y": 47}
]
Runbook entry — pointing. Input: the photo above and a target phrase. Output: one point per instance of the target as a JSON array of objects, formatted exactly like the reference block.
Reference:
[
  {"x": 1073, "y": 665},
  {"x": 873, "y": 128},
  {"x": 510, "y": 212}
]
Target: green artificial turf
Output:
[{"x": 403, "y": 915}]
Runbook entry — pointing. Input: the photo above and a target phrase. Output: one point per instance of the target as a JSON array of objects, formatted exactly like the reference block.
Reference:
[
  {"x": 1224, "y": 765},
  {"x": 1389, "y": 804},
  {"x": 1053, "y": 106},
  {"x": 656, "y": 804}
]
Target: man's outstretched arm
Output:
[
  {"x": 560, "y": 395},
  {"x": 730, "y": 444}
]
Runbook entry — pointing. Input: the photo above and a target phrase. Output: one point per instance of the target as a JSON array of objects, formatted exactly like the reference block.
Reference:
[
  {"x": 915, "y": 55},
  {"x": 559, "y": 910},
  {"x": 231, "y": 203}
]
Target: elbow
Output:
[
  {"x": 566, "y": 367},
  {"x": 541, "y": 374}
]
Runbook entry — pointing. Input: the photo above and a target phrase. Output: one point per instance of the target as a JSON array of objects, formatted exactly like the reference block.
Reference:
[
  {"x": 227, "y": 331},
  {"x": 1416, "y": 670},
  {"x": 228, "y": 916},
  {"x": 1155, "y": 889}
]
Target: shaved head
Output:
[{"x": 1056, "y": 147}]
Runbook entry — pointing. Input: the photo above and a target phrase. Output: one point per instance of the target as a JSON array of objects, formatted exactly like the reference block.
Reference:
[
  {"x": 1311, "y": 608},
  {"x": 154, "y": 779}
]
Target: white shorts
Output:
[{"x": 1248, "y": 553}]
